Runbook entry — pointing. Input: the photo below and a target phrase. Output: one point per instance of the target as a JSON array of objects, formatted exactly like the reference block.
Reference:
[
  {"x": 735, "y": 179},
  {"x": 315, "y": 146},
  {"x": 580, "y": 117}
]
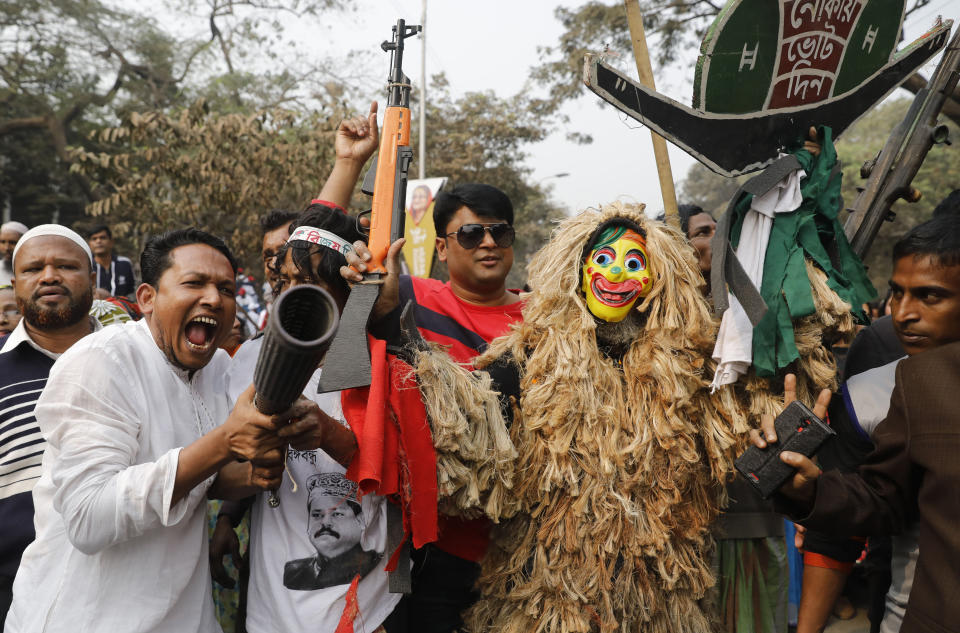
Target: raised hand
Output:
[
  {"x": 357, "y": 137},
  {"x": 390, "y": 291},
  {"x": 803, "y": 483}
]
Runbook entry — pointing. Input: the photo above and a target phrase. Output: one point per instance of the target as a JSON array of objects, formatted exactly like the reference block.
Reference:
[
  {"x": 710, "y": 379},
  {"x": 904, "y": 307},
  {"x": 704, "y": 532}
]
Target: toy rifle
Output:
[
  {"x": 386, "y": 223},
  {"x": 890, "y": 174}
]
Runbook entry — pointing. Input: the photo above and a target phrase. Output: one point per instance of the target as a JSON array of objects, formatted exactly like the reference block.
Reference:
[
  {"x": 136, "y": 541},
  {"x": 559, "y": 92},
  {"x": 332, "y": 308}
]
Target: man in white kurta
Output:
[
  {"x": 115, "y": 413},
  {"x": 138, "y": 423}
]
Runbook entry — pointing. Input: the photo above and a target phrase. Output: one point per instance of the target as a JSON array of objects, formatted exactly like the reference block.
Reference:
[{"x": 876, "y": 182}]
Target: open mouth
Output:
[
  {"x": 614, "y": 295},
  {"x": 200, "y": 333}
]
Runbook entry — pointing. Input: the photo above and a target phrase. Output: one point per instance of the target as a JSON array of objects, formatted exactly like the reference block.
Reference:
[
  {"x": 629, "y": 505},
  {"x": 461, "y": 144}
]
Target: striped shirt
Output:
[
  {"x": 23, "y": 374},
  {"x": 24, "y": 367}
]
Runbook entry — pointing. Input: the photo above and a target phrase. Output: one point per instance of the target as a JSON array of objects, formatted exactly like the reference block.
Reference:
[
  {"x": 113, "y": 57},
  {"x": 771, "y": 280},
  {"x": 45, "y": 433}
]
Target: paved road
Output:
[{"x": 857, "y": 624}]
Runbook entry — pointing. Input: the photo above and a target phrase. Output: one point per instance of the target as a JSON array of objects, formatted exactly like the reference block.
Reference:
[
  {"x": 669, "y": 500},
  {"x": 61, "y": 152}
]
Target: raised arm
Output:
[{"x": 356, "y": 141}]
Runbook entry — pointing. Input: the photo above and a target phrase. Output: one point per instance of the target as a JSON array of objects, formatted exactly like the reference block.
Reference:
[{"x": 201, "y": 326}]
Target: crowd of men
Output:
[{"x": 115, "y": 431}]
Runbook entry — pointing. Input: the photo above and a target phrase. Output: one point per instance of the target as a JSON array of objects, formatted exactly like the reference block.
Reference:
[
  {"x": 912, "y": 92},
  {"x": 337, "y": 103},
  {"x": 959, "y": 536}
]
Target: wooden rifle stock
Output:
[{"x": 890, "y": 174}]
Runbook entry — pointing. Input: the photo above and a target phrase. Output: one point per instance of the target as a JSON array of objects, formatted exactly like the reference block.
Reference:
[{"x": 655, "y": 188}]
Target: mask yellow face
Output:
[{"x": 616, "y": 274}]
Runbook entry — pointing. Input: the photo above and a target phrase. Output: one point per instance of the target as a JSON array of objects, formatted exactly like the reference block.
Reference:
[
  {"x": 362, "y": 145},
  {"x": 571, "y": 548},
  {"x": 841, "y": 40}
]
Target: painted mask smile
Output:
[
  {"x": 614, "y": 295},
  {"x": 616, "y": 274}
]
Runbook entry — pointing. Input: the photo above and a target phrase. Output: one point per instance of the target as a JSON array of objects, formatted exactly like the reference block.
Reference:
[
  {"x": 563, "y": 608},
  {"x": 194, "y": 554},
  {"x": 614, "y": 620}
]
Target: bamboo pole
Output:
[{"x": 645, "y": 72}]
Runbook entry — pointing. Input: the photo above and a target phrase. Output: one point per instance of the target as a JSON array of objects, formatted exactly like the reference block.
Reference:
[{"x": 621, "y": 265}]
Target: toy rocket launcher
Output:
[{"x": 389, "y": 189}]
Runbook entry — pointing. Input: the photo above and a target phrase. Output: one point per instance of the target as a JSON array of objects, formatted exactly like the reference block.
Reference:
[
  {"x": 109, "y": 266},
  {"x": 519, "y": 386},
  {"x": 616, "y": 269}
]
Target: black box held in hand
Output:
[{"x": 799, "y": 431}]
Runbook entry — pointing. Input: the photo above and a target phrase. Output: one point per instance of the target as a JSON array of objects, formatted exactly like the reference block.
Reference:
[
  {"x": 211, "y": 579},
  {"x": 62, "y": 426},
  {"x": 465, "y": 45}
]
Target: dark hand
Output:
[
  {"x": 266, "y": 474},
  {"x": 306, "y": 430},
  {"x": 389, "y": 297},
  {"x": 812, "y": 145},
  {"x": 224, "y": 542},
  {"x": 357, "y": 138},
  {"x": 803, "y": 483},
  {"x": 252, "y": 435}
]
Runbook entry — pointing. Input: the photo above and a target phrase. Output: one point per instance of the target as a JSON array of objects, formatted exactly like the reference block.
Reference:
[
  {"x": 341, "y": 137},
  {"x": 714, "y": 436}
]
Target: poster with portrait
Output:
[{"x": 419, "y": 230}]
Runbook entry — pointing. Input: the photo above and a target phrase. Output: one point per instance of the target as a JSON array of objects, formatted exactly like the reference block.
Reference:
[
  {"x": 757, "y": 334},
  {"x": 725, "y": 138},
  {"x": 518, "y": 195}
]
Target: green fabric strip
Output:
[{"x": 811, "y": 232}]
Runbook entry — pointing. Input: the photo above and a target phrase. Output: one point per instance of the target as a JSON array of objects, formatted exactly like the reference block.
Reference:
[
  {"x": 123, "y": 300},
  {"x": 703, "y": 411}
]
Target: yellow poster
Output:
[{"x": 419, "y": 230}]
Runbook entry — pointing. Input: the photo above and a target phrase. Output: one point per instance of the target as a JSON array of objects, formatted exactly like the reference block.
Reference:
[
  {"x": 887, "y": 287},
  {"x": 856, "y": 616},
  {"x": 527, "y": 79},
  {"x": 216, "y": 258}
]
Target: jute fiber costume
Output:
[{"x": 606, "y": 479}]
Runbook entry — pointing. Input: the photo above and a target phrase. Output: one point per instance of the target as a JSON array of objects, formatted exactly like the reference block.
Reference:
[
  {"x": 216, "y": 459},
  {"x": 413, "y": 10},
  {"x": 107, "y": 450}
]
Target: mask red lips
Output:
[{"x": 615, "y": 295}]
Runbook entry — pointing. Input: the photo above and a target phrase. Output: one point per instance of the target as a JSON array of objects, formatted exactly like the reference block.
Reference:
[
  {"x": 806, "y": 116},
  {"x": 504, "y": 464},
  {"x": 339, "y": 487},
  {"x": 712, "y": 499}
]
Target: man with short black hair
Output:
[
  {"x": 908, "y": 484},
  {"x": 114, "y": 273},
  {"x": 139, "y": 431},
  {"x": 53, "y": 289},
  {"x": 475, "y": 235},
  {"x": 275, "y": 226}
]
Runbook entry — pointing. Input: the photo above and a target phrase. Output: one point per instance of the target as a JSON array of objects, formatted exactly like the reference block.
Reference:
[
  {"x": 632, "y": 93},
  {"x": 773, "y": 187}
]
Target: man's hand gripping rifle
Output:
[{"x": 352, "y": 369}]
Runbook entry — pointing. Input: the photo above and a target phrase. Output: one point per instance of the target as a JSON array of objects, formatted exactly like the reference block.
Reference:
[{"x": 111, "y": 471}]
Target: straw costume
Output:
[{"x": 607, "y": 476}]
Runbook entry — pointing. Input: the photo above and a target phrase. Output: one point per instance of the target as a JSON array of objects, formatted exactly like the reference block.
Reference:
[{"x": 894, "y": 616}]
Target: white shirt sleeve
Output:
[{"x": 94, "y": 433}]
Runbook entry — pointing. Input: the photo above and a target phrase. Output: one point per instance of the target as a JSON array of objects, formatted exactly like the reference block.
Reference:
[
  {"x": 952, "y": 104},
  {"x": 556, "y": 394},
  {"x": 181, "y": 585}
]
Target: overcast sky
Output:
[{"x": 492, "y": 45}]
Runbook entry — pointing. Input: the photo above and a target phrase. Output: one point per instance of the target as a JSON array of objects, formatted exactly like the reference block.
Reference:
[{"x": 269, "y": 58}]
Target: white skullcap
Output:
[
  {"x": 16, "y": 227},
  {"x": 53, "y": 229}
]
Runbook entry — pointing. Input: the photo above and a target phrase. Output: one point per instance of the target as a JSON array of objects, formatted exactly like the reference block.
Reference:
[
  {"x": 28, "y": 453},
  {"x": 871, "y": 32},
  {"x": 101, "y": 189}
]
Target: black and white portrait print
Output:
[{"x": 335, "y": 526}]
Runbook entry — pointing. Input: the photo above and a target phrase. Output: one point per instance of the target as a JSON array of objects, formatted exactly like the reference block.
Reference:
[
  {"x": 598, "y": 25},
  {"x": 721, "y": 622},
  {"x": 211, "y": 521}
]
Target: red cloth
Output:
[
  {"x": 350, "y": 609},
  {"x": 820, "y": 560},
  {"x": 327, "y": 203},
  {"x": 395, "y": 448},
  {"x": 394, "y": 453}
]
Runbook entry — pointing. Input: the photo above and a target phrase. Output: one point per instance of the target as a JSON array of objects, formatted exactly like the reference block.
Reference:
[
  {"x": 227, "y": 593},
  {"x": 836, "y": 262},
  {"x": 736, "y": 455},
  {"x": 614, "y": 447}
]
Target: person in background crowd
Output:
[
  {"x": 9, "y": 312},
  {"x": 236, "y": 337},
  {"x": 699, "y": 227},
  {"x": 54, "y": 291},
  {"x": 925, "y": 303},
  {"x": 114, "y": 273},
  {"x": 751, "y": 560},
  {"x": 275, "y": 226},
  {"x": 10, "y": 233},
  {"x": 949, "y": 205}
]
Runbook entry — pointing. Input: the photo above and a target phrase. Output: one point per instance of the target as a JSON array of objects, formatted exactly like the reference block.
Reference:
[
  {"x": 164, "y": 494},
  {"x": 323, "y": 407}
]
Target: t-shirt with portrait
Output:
[{"x": 307, "y": 550}]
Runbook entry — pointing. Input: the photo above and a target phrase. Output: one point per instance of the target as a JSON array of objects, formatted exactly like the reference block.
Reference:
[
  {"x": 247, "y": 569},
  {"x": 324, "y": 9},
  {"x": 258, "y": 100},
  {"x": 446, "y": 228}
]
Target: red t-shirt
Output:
[{"x": 467, "y": 329}]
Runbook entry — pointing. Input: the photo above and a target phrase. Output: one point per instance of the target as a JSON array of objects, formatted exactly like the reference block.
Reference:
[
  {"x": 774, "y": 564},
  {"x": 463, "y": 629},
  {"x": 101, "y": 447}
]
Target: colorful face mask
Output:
[{"x": 616, "y": 274}]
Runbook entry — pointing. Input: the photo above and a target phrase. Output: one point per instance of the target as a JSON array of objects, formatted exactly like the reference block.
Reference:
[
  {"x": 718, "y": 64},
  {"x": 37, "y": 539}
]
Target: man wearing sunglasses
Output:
[{"x": 474, "y": 224}]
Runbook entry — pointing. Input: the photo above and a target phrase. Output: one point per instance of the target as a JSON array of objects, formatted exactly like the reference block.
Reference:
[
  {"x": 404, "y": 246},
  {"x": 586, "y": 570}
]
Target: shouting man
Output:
[{"x": 138, "y": 424}]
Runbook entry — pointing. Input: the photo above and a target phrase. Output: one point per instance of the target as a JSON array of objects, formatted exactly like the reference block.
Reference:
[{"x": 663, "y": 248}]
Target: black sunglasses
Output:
[{"x": 470, "y": 235}]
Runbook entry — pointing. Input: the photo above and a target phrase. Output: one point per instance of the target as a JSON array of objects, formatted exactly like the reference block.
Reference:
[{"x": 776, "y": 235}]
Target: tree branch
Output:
[{"x": 22, "y": 123}]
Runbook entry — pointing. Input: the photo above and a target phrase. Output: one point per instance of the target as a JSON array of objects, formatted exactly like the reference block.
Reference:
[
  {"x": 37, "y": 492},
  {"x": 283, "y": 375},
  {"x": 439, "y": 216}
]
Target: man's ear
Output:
[
  {"x": 146, "y": 295},
  {"x": 441, "y": 246}
]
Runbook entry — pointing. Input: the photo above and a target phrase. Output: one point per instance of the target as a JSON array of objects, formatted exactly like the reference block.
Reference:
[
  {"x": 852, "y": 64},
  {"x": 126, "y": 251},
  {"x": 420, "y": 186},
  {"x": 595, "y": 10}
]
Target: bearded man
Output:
[{"x": 53, "y": 285}]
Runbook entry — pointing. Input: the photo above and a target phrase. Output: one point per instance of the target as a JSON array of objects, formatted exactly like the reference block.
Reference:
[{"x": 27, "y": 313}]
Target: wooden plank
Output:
[{"x": 645, "y": 71}]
